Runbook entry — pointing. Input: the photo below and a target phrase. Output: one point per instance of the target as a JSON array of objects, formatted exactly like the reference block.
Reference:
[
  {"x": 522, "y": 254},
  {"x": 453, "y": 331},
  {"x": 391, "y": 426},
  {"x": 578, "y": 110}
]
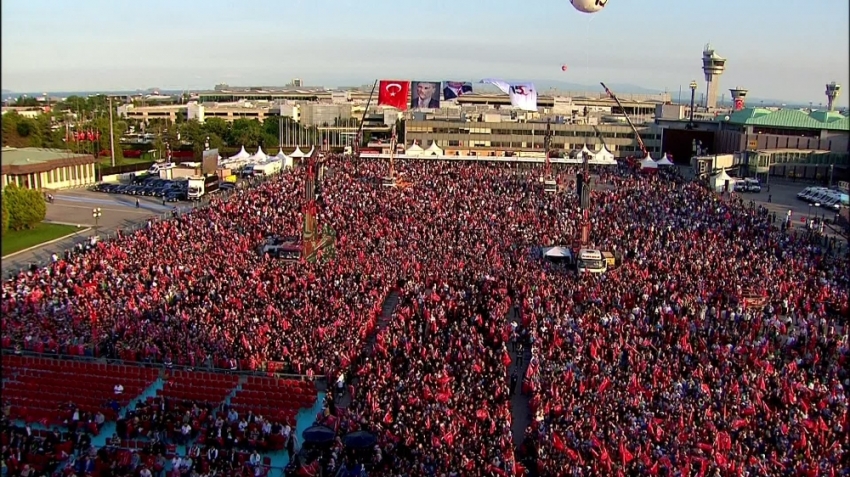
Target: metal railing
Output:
[{"x": 319, "y": 380}]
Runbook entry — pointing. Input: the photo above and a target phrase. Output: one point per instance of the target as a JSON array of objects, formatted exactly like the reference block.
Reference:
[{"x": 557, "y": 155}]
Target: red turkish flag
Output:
[{"x": 394, "y": 93}]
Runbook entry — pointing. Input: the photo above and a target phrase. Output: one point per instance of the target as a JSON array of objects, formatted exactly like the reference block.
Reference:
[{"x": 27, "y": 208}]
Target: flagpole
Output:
[
  {"x": 362, "y": 121},
  {"x": 111, "y": 134}
]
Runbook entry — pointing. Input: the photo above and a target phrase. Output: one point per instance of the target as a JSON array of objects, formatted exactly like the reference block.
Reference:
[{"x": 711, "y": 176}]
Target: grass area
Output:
[{"x": 15, "y": 241}]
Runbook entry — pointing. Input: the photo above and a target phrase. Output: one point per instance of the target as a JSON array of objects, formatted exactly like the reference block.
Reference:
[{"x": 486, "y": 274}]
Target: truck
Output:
[
  {"x": 200, "y": 186},
  {"x": 267, "y": 168}
]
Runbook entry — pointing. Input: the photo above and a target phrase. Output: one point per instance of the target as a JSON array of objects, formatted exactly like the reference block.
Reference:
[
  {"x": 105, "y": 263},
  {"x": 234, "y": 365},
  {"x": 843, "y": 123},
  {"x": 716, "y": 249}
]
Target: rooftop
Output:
[
  {"x": 27, "y": 160},
  {"x": 791, "y": 119}
]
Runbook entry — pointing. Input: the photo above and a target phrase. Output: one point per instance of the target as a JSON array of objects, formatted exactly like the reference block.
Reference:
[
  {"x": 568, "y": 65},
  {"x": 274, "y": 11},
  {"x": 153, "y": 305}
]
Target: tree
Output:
[
  {"x": 246, "y": 132},
  {"x": 217, "y": 126},
  {"x": 5, "y": 213},
  {"x": 26, "y": 207}
]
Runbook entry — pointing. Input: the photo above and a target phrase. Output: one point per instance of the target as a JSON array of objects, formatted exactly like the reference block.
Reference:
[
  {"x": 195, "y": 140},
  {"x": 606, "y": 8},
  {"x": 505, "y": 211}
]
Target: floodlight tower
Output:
[
  {"x": 739, "y": 96},
  {"x": 713, "y": 65},
  {"x": 833, "y": 90}
]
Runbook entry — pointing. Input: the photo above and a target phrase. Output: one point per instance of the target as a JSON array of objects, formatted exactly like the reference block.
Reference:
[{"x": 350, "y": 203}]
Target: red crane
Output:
[{"x": 641, "y": 145}]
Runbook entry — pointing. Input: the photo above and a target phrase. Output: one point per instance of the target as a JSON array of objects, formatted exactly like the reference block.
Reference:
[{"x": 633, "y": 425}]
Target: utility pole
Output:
[{"x": 111, "y": 134}]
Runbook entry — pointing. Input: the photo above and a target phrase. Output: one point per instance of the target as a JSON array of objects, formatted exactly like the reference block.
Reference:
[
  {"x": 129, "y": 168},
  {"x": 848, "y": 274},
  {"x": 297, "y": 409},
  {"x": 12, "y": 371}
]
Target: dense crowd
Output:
[
  {"x": 178, "y": 291},
  {"x": 718, "y": 347}
]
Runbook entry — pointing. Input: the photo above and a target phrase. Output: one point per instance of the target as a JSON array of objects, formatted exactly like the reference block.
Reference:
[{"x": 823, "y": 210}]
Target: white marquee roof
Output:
[{"x": 242, "y": 154}]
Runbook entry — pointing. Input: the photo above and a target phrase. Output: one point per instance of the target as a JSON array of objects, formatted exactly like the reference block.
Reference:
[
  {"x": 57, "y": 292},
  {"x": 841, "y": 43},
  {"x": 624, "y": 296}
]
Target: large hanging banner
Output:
[{"x": 523, "y": 95}]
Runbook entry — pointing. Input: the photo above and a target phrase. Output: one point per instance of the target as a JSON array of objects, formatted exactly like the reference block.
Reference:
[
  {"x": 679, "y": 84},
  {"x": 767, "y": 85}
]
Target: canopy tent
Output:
[
  {"x": 284, "y": 159},
  {"x": 585, "y": 150},
  {"x": 310, "y": 154},
  {"x": 648, "y": 163},
  {"x": 414, "y": 150},
  {"x": 604, "y": 156},
  {"x": 242, "y": 154},
  {"x": 664, "y": 161},
  {"x": 718, "y": 182},
  {"x": 298, "y": 153},
  {"x": 434, "y": 150},
  {"x": 260, "y": 156},
  {"x": 558, "y": 254}
]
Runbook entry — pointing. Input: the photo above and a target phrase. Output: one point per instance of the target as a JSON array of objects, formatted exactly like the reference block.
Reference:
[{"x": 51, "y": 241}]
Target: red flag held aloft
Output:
[{"x": 394, "y": 93}]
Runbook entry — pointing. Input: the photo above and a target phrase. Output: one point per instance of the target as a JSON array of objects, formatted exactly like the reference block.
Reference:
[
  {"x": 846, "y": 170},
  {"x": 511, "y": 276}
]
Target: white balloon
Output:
[{"x": 589, "y": 6}]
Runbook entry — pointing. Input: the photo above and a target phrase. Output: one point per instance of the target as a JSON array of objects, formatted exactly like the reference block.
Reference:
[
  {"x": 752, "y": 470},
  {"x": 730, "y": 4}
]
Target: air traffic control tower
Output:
[
  {"x": 832, "y": 91},
  {"x": 739, "y": 98},
  {"x": 713, "y": 65}
]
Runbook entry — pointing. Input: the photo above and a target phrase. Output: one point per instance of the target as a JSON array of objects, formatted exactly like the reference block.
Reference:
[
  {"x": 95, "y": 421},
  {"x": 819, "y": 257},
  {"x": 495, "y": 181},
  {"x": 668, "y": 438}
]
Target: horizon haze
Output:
[{"x": 107, "y": 46}]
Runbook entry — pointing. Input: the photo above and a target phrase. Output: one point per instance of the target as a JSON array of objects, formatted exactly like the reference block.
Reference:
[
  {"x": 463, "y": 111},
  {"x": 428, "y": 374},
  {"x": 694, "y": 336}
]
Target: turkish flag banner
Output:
[{"x": 394, "y": 93}]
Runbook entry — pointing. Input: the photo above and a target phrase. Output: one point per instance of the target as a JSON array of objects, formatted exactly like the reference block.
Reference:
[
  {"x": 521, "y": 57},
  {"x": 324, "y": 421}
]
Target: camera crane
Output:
[{"x": 641, "y": 145}]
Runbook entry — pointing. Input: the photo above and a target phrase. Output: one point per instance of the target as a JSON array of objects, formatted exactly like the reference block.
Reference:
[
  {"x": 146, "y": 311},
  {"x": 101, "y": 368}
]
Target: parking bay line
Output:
[{"x": 142, "y": 210}]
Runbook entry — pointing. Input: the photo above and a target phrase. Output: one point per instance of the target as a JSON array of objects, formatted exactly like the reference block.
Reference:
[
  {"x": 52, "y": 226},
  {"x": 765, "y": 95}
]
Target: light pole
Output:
[
  {"x": 207, "y": 144},
  {"x": 693, "y": 87},
  {"x": 96, "y": 213}
]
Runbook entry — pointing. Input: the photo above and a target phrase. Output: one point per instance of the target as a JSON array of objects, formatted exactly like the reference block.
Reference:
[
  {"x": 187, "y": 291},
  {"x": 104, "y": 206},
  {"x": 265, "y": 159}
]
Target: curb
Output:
[{"x": 81, "y": 231}]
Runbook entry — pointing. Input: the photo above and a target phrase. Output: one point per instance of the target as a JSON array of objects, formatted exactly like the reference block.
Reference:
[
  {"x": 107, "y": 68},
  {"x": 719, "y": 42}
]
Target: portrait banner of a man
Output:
[
  {"x": 425, "y": 95},
  {"x": 455, "y": 89}
]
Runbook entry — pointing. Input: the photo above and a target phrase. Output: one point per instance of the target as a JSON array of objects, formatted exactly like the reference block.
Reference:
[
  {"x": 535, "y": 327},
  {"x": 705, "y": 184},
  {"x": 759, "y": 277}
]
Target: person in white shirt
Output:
[
  {"x": 119, "y": 389},
  {"x": 145, "y": 472},
  {"x": 255, "y": 459}
]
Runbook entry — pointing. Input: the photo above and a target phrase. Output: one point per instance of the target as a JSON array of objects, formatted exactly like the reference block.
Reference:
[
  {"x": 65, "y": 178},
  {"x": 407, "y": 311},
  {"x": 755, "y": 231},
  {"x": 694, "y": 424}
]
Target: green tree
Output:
[
  {"x": 217, "y": 126},
  {"x": 4, "y": 211},
  {"x": 26, "y": 102},
  {"x": 271, "y": 125},
  {"x": 26, "y": 207},
  {"x": 246, "y": 132}
]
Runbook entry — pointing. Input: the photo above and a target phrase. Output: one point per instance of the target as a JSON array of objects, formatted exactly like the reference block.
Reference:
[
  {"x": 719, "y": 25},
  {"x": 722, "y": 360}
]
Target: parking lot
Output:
[
  {"x": 782, "y": 197},
  {"x": 75, "y": 207}
]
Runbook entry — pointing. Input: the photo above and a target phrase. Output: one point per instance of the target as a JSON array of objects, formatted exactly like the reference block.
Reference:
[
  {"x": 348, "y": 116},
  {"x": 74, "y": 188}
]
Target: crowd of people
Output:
[
  {"x": 178, "y": 291},
  {"x": 718, "y": 347}
]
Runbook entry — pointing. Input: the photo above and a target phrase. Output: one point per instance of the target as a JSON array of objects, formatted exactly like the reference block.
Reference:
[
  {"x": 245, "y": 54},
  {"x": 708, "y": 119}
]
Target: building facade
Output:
[
  {"x": 495, "y": 138},
  {"x": 47, "y": 169},
  {"x": 762, "y": 129}
]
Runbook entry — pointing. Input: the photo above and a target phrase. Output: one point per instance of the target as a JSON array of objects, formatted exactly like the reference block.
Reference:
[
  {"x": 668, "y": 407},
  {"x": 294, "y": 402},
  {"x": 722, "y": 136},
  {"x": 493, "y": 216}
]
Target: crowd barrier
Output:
[{"x": 268, "y": 368}]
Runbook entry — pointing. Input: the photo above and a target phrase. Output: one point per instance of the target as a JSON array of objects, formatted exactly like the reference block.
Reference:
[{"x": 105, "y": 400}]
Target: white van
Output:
[{"x": 591, "y": 261}]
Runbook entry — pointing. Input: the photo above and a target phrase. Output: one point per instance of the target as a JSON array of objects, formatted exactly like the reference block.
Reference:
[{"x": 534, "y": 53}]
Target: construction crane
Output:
[{"x": 641, "y": 145}]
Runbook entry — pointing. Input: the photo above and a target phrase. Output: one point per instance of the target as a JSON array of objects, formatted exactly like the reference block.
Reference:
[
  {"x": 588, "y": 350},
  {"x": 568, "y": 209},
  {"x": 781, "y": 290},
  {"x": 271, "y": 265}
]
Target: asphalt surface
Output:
[
  {"x": 74, "y": 207},
  {"x": 782, "y": 197}
]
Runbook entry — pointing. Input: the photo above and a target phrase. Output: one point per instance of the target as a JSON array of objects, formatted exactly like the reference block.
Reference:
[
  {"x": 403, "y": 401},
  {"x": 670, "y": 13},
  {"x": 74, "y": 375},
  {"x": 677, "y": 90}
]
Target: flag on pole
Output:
[
  {"x": 523, "y": 95},
  {"x": 394, "y": 93}
]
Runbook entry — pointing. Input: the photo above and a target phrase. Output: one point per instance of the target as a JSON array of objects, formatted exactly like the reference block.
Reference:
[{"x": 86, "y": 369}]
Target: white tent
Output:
[
  {"x": 648, "y": 163},
  {"x": 284, "y": 159},
  {"x": 664, "y": 161},
  {"x": 434, "y": 150},
  {"x": 414, "y": 150},
  {"x": 298, "y": 153},
  {"x": 604, "y": 156},
  {"x": 310, "y": 154},
  {"x": 558, "y": 254},
  {"x": 585, "y": 150},
  {"x": 242, "y": 154},
  {"x": 260, "y": 156},
  {"x": 718, "y": 182}
]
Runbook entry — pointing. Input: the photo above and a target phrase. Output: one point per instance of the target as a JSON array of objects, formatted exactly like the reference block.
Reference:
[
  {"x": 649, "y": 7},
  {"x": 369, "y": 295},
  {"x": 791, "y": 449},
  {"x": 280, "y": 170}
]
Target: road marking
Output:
[{"x": 140, "y": 211}]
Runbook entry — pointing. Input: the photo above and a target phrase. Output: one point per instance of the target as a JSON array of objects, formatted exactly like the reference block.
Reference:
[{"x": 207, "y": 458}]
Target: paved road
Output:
[{"x": 75, "y": 207}]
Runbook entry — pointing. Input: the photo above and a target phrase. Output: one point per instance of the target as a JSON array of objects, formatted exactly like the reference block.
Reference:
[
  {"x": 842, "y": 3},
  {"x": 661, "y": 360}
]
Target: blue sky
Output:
[{"x": 58, "y": 45}]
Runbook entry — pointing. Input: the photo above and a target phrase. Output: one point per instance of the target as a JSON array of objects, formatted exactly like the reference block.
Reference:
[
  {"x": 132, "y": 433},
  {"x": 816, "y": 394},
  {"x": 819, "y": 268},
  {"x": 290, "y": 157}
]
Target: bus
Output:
[{"x": 591, "y": 261}]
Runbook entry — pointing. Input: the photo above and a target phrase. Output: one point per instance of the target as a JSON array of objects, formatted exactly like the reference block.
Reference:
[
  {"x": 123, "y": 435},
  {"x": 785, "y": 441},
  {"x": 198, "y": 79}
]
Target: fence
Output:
[{"x": 320, "y": 381}]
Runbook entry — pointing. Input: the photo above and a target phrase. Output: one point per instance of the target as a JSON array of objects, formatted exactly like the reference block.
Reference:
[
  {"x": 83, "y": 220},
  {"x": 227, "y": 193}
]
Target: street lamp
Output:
[
  {"x": 96, "y": 213},
  {"x": 207, "y": 144},
  {"x": 693, "y": 87}
]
